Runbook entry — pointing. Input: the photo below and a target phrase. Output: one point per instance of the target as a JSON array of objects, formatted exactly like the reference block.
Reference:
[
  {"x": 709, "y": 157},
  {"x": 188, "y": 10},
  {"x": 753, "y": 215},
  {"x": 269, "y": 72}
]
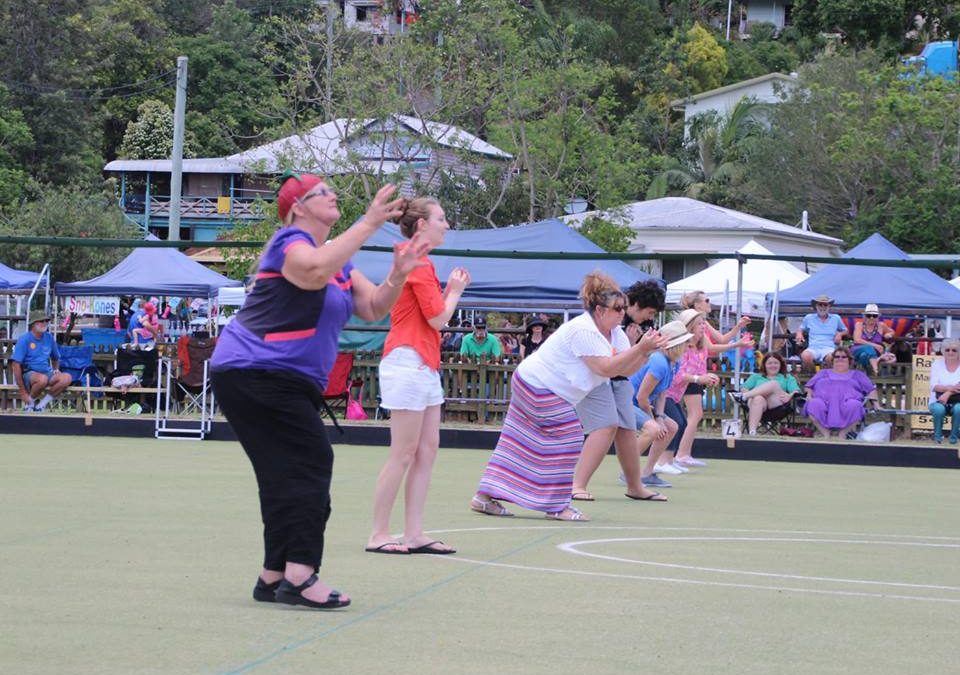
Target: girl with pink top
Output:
[{"x": 689, "y": 382}]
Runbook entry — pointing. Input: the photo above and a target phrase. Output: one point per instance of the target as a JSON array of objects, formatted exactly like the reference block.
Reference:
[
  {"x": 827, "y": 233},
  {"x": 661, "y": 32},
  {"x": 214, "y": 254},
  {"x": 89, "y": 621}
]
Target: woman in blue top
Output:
[
  {"x": 271, "y": 365},
  {"x": 772, "y": 390},
  {"x": 650, "y": 386}
]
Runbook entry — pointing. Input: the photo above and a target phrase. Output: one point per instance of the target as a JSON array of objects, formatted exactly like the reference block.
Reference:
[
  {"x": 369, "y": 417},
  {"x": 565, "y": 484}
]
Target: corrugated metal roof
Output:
[
  {"x": 683, "y": 213},
  {"x": 321, "y": 149}
]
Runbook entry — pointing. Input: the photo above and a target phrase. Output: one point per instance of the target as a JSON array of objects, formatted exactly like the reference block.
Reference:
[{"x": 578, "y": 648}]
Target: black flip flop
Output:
[
  {"x": 648, "y": 498},
  {"x": 428, "y": 548},
  {"x": 382, "y": 548}
]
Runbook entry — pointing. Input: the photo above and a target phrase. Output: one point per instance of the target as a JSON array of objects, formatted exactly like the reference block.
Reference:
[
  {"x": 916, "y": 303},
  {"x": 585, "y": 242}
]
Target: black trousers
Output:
[{"x": 274, "y": 414}]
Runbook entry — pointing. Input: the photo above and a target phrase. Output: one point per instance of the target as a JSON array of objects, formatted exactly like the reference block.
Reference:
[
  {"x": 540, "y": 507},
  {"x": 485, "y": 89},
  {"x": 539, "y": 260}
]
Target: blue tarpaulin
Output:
[
  {"x": 509, "y": 282},
  {"x": 17, "y": 279},
  {"x": 152, "y": 271},
  {"x": 897, "y": 290}
]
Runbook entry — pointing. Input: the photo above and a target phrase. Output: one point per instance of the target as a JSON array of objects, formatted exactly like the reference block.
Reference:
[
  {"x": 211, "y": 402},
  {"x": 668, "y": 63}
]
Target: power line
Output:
[{"x": 163, "y": 80}]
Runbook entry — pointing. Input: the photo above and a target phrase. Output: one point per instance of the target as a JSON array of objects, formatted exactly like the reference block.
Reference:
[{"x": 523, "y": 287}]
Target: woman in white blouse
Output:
[
  {"x": 945, "y": 390},
  {"x": 532, "y": 465}
]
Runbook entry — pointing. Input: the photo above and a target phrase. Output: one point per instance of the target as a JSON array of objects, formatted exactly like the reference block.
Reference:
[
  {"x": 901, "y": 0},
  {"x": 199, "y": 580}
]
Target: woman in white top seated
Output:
[
  {"x": 945, "y": 390},
  {"x": 532, "y": 465}
]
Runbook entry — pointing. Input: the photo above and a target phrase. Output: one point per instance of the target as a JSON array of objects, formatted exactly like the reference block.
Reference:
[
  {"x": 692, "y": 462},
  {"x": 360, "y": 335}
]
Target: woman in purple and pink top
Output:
[{"x": 271, "y": 365}]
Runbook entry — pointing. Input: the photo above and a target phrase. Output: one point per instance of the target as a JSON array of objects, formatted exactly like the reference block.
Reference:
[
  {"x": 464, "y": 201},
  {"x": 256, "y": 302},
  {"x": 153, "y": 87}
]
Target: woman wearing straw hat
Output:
[
  {"x": 689, "y": 383},
  {"x": 869, "y": 338},
  {"x": 533, "y": 463},
  {"x": 650, "y": 384},
  {"x": 272, "y": 363}
]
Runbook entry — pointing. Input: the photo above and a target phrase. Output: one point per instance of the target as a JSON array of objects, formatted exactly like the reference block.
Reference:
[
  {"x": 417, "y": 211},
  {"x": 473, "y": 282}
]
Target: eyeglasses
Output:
[
  {"x": 840, "y": 356},
  {"x": 949, "y": 349},
  {"x": 823, "y": 304},
  {"x": 871, "y": 316},
  {"x": 319, "y": 192},
  {"x": 618, "y": 308}
]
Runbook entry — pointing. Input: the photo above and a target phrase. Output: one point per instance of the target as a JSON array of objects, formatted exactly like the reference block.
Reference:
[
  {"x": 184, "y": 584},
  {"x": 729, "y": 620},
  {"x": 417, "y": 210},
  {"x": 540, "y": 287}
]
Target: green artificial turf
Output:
[{"x": 139, "y": 556}]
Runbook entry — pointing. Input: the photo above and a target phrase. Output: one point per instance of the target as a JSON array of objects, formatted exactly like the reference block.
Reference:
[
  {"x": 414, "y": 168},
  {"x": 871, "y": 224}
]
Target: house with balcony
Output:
[{"x": 219, "y": 192}]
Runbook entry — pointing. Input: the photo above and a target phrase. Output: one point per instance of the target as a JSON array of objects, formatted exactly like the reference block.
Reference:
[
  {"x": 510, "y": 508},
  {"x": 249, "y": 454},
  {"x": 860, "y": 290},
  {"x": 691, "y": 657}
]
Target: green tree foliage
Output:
[
  {"x": 68, "y": 212},
  {"x": 610, "y": 236},
  {"x": 151, "y": 135},
  {"x": 15, "y": 139},
  {"x": 706, "y": 59},
  {"x": 863, "y": 150}
]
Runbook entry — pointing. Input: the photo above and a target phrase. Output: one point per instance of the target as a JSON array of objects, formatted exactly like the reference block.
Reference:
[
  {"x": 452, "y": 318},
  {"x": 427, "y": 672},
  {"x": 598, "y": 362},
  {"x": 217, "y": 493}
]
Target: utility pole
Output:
[
  {"x": 729, "y": 12},
  {"x": 176, "y": 158}
]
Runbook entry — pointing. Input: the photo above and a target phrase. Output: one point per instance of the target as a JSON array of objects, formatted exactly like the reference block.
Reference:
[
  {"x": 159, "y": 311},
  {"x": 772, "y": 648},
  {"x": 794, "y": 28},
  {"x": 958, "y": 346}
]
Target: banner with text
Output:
[{"x": 92, "y": 305}]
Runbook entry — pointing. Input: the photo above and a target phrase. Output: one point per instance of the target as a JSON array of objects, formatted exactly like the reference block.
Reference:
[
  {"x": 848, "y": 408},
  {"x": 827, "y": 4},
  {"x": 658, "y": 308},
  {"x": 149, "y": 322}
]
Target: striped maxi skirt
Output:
[{"x": 532, "y": 465}]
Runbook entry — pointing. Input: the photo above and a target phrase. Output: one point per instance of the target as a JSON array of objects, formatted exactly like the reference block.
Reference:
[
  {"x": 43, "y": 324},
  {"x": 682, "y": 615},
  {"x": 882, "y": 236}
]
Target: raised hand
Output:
[
  {"x": 407, "y": 258},
  {"x": 382, "y": 209},
  {"x": 458, "y": 280},
  {"x": 652, "y": 341}
]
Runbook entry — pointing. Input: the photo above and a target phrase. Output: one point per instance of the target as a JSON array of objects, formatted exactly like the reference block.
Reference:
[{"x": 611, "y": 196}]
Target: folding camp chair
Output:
[
  {"x": 191, "y": 388},
  {"x": 774, "y": 421},
  {"x": 78, "y": 363},
  {"x": 340, "y": 386}
]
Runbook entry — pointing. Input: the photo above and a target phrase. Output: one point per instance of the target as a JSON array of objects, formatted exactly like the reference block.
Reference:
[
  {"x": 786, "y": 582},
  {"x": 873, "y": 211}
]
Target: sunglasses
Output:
[
  {"x": 950, "y": 349},
  {"x": 823, "y": 304},
  {"x": 319, "y": 192},
  {"x": 871, "y": 316},
  {"x": 840, "y": 356},
  {"x": 618, "y": 308}
]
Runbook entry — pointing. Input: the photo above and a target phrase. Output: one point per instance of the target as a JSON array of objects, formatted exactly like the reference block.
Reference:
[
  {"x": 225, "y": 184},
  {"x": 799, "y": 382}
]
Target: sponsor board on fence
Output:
[
  {"x": 919, "y": 391},
  {"x": 93, "y": 305}
]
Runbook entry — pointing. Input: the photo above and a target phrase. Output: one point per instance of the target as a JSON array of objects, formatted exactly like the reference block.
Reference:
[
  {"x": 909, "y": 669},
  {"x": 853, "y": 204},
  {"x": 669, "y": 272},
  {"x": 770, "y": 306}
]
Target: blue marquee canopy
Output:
[
  {"x": 152, "y": 271},
  {"x": 897, "y": 290},
  {"x": 510, "y": 282}
]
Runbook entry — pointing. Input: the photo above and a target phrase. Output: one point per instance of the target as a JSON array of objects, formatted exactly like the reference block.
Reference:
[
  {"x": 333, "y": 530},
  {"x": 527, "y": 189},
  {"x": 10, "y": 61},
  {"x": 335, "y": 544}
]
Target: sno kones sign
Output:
[{"x": 92, "y": 305}]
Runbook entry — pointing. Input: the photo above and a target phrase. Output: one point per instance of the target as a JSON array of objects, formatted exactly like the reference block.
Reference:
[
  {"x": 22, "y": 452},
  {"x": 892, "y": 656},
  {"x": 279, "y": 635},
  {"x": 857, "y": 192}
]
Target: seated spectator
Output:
[
  {"x": 479, "y": 343},
  {"x": 772, "y": 390},
  {"x": 536, "y": 334},
  {"x": 825, "y": 330},
  {"x": 835, "y": 396},
  {"x": 449, "y": 339},
  {"x": 35, "y": 362},
  {"x": 945, "y": 390},
  {"x": 869, "y": 338}
]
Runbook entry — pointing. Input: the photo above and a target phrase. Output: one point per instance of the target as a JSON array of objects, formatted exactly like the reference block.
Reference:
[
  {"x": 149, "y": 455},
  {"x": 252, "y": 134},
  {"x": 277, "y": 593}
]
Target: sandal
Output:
[
  {"x": 289, "y": 594},
  {"x": 264, "y": 592},
  {"x": 568, "y": 513},
  {"x": 490, "y": 507},
  {"x": 582, "y": 496}
]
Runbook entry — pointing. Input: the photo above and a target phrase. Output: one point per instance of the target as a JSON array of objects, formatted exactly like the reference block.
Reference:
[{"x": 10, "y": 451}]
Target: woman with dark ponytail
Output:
[{"x": 410, "y": 386}]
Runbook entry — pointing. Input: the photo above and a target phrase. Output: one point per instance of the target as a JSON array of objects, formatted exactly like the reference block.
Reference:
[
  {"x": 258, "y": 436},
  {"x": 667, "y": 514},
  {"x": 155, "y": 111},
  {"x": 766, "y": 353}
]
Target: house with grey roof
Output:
[
  {"x": 685, "y": 226},
  {"x": 220, "y": 191}
]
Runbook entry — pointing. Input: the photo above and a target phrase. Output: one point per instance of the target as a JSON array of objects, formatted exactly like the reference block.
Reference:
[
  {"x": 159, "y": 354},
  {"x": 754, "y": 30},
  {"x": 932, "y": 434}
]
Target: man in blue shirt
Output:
[
  {"x": 825, "y": 329},
  {"x": 35, "y": 365}
]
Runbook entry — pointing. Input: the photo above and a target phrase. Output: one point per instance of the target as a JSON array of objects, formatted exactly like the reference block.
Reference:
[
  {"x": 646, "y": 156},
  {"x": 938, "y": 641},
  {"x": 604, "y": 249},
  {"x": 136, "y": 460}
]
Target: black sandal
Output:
[
  {"x": 264, "y": 592},
  {"x": 289, "y": 594}
]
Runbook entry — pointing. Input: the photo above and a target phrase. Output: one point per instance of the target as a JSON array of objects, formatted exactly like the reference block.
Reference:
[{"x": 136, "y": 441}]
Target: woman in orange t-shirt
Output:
[{"x": 410, "y": 387}]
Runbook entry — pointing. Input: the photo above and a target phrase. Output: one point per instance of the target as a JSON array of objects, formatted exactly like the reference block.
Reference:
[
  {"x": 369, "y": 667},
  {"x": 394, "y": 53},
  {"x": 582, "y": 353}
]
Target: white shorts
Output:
[
  {"x": 820, "y": 353},
  {"x": 407, "y": 383}
]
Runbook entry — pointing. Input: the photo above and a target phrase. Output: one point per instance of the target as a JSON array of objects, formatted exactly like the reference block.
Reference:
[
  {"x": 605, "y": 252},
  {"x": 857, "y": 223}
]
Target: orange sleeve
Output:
[{"x": 426, "y": 289}]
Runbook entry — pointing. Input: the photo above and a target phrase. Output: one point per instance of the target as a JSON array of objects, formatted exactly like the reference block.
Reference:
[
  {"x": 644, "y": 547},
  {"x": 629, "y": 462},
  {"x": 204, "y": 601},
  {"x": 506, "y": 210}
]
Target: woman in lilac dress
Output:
[{"x": 835, "y": 396}]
